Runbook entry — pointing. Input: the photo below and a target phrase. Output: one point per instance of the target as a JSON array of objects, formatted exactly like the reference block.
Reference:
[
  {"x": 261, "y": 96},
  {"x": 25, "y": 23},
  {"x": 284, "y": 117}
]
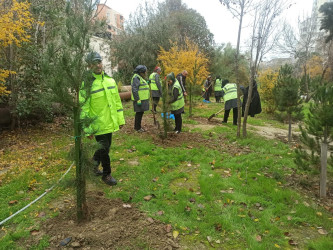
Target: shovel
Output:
[{"x": 213, "y": 115}]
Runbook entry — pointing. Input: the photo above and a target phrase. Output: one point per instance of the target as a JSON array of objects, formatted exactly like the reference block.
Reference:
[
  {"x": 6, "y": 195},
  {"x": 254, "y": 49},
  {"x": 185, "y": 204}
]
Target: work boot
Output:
[
  {"x": 96, "y": 171},
  {"x": 108, "y": 179}
]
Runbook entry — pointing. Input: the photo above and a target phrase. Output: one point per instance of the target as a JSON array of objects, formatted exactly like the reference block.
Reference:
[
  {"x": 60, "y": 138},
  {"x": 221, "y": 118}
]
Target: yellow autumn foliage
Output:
[
  {"x": 315, "y": 68},
  {"x": 266, "y": 80},
  {"x": 15, "y": 21},
  {"x": 189, "y": 58}
]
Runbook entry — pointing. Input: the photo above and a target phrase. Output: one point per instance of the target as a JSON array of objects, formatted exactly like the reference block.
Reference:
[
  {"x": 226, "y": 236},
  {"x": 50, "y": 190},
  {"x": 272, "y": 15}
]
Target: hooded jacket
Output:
[{"x": 102, "y": 105}]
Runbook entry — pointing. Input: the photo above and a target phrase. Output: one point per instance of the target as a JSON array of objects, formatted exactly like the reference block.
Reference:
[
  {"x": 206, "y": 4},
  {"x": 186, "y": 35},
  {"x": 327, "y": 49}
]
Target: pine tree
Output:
[
  {"x": 286, "y": 94},
  {"x": 65, "y": 70},
  {"x": 317, "y": 134}
]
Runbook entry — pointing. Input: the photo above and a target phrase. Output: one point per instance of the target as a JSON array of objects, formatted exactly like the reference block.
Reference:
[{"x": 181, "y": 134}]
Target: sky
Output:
[{"x": 219, "y": 20}]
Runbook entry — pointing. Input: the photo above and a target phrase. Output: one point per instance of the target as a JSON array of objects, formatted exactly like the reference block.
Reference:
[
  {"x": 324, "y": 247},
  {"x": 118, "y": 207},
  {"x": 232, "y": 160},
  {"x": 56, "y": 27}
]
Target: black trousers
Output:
[
  {"x": 138, "y": 119},
  {"x": 234, "y": 113},
  {"x": 178, "y": 122},
  {"x": 155, "y": 102},
  {"x": 102, "y": 154},
  {"x": 218, "y": 98}
]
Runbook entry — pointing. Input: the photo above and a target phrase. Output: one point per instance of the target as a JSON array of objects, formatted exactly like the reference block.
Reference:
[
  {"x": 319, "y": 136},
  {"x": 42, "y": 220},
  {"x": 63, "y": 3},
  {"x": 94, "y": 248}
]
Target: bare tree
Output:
[
  {"x": 238, "y": 8},
  {"x": 266, "y": 14},
  {"x": 300, "y": 44}
]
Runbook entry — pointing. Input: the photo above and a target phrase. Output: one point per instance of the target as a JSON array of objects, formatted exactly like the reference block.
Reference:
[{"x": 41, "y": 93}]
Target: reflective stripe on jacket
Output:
[
  {"x": 230, "y": 91},
  {"x": 152, "y": 81},
  {"x": 143, "y": 91},
  {"x": 103, "y": 106},
  {"x": 218, "y": 85},
  {"x": 180, "y": 99}
]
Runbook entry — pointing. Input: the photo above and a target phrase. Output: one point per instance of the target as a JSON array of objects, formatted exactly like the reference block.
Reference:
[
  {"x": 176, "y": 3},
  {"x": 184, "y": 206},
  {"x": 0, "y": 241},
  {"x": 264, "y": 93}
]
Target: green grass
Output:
[{"x": 243, "y": 197}]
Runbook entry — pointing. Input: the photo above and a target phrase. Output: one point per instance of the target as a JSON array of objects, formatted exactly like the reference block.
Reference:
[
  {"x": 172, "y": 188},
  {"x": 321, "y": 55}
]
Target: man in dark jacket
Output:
[
  {"x": 255, "y": 104},
  {"x": 181, "y": 78},
  {"x": 208, "y": 88},
  {"x": 140, "y": 95}
]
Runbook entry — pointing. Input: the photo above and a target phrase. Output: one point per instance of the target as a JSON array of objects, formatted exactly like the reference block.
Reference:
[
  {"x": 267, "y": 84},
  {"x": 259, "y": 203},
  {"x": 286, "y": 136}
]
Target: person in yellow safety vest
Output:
[
  {"x": 140, "y": 95},
  {"x": 229, "y": 93},
  {"x": 156, "y": 88},
  {"x": 177, "y": 100},
  {"x": 218, "y": 89},
  {"x": 102, "y": 108}
]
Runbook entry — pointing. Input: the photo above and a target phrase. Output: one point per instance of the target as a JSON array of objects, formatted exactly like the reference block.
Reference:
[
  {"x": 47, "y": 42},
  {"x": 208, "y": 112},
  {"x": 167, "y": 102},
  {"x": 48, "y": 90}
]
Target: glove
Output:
[{"x": 138, "y": 103}]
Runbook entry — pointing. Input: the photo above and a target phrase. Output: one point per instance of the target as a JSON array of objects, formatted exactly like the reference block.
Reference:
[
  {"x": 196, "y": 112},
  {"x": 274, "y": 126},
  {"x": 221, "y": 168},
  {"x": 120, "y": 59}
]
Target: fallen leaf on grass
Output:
[
  {"x": 201, "y": 206},
  {"x": 127, "y": 206},
  {"x": 277, "y": 246},
  {"x": 168, "y": 228},
  {"x": 322, "y": 231},
  {"x": 148, "y": 198},
  {"x": 192, "y": 200},
  {"x": 286, "y": 234},
  {"x": 155, "y": 179},
  {"x": 151, "y": 220},
  {"x": 319, "y": 214},
  {"x": 160, "y": 212},
  {"x": 306, "y": 204},
  {"x": 292, "y": 243},
  {"x": 209, "y": 239},
  {"x": 41, "y": 214},
  {"x": 175, "y": 234},
  {"x": 13, "y": 202},
  {"x": 218, "y": 227},
  {"x": 258, "y": 238},
  {"x": 34, "y": 232}
]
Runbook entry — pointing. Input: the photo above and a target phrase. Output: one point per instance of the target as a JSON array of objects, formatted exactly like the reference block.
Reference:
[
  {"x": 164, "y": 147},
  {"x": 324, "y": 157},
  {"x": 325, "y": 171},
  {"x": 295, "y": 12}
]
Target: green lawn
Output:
[{"x": 222, "y": 191}]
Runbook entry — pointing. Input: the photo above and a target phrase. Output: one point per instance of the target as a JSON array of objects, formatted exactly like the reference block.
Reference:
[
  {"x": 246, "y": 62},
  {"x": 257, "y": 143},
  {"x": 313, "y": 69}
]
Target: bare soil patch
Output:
[{"x": 112, "y": 225}]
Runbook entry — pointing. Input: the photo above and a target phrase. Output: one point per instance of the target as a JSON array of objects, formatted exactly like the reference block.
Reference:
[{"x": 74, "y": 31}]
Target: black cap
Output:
[{"x": 93, "y": 57}]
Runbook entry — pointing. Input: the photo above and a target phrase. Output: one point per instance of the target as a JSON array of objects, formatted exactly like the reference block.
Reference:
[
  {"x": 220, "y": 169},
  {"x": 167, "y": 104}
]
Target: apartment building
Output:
[{"x": 99, "y": 42}]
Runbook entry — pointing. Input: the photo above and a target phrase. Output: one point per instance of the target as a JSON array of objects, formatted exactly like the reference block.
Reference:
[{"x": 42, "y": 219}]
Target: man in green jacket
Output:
[{"x": 101, "y": 104}]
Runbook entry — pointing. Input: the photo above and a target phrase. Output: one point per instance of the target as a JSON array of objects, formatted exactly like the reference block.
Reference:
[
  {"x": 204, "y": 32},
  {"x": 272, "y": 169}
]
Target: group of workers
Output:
[
  {"x": 102, "y": 105},
  {"x": 142, "y": 89}
]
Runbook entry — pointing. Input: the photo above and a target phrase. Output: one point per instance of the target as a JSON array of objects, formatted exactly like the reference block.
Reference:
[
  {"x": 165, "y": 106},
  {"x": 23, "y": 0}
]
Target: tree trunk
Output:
[
  {"x": 81, "y": 203},
  {"x": 237, "y": 70},
  {"x": 165, "y": 108},
  {"x": 191, "y": 97},
  {"x": 248, "y": 102},
  {"x": 323, "y": 166},
  {"x": 289, "y": 128}
]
